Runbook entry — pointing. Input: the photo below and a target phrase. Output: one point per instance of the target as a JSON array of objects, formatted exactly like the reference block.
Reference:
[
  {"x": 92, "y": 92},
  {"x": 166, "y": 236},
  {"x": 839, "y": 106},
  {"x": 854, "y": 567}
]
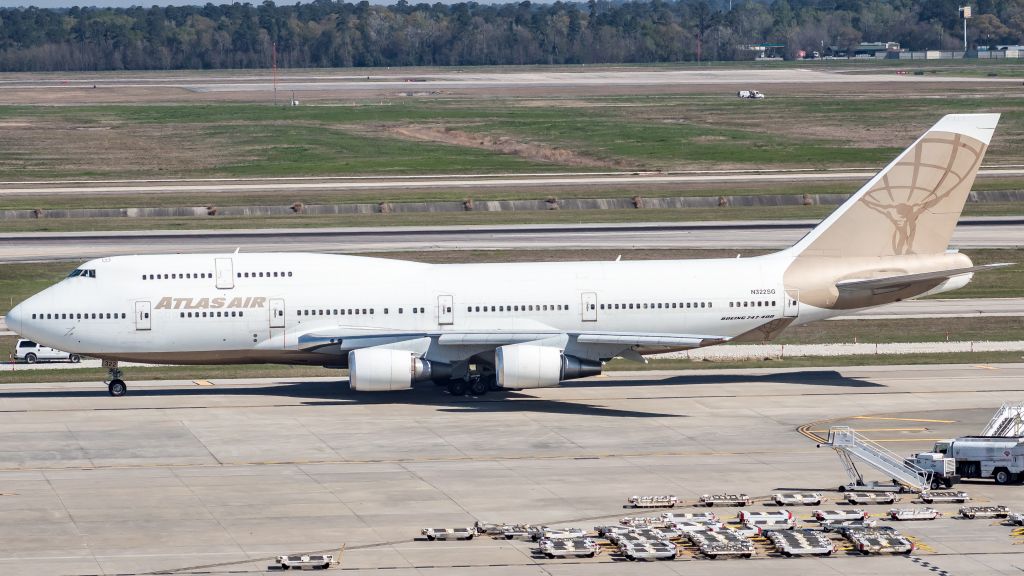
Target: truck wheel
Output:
[
  {"x": 431, "y": 538},
  {"x": 936, "y": 484},
  {"x": 948, "y": 483},
  {"x": 1002, "y": 476},
  {"x": 30, "y": 358},
  {"x": 75, "y": 358}
]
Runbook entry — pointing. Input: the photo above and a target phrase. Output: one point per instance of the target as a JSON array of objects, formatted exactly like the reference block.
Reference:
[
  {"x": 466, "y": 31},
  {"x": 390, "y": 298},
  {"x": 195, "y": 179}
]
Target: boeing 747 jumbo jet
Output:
[{"x": 475, "y": 327}]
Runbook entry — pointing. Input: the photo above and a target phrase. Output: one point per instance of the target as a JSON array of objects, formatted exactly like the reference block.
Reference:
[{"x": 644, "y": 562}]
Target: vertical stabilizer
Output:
[{"x": 913, "y": 204}]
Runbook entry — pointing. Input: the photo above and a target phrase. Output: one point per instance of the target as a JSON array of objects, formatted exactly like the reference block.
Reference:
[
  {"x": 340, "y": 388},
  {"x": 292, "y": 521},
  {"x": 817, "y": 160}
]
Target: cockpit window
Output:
[{"x": 81, "y": 272}]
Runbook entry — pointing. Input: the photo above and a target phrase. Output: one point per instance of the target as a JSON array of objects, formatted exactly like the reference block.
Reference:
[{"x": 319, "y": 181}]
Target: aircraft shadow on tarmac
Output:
[{"x": 337, "y": 393}]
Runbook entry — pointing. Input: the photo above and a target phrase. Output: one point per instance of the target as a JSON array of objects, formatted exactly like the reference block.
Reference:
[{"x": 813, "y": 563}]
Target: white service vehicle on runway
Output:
[
  {"x": 31, "y": 352},
  {"x": 476, "y": 327}
]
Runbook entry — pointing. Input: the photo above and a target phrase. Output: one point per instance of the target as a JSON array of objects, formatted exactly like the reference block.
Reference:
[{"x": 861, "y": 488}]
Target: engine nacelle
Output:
[
  {"x": 532, "y": 366},
  {"x": 384, "y": 369}
]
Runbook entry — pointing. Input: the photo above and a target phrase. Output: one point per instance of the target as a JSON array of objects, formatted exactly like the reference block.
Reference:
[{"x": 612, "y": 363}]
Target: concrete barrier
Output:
[{"x": 635, "y": 202}]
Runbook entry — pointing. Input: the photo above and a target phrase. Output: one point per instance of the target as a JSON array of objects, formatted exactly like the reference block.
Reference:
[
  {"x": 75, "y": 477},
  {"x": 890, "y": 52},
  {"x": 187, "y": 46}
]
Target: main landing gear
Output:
[
  {"x": 475, "y": 385},
  {"x": 115, "y": 386}
]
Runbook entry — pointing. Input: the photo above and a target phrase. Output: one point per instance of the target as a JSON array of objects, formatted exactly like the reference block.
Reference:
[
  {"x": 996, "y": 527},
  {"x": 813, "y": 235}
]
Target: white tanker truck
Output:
[{"x": 997, "y": 457}]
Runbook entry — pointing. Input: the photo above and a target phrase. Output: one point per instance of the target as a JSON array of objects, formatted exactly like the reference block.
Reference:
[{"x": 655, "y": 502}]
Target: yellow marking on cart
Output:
[{"x": 904, "y": 419}]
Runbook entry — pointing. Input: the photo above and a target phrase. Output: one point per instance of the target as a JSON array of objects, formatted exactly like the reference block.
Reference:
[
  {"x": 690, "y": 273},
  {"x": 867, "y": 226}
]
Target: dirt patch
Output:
[{"x": 500, "y": 144}]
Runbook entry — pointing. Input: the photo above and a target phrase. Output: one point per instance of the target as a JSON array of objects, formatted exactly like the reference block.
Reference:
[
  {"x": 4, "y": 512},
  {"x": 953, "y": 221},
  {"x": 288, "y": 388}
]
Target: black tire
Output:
[
  {"x": 457, "y": 387},
  {"x": 478, "y": 387},
  {"x": 842, "y": 488},
  {"x": 75, "y": 358},
  {"x": 325, "y": 566},
  {"x": 431, "y": 538},
  {"x": 470, "y": 537},
  {"x": 710, "y": 504},
  {"x": 117, "y": 388},
  {"x": 549, "y": 555},
  {"x": 30, "y": 358},
  {"x": 1002, "y": 476},
  {"x": 936, "y": 484},
  {"x": 948, "y": 483},
  {"x": 591, "y": 555}
]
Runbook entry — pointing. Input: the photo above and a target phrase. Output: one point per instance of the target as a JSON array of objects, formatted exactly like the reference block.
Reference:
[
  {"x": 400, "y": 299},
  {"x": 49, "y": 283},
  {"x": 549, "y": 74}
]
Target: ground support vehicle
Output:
[
  {"x": 652, "y": 501},
  {"x": 31, "y": 352},
  {"x": 933, "y": 497},
  {"x": 655, "y": 533},
  {"x": 871, "y": 497},
  {"x": 546, "y": 533},
  {"x": 797, "y": 498},
  {"x": 608, "y": 531},
  {"x": 883, "y": 540},
  {"x": 768, "y": 524},
  {"x": 913, "y": 513},
  {"x": 722, "y": 544},
  {"x": 840, "y": 525},
  {"x": 650, "y": 550},
  {"x": 563, "y": 548},
  {"x": 449, "y": 533},
  {"x": 684, "y": 526},
  {"x": 725, "y": 500},
  {"x": 832, "y": 515},
  {"x": 746, "y": 516},
  {"x": 496, "y": 529},
  {"x": 801, "y": 543},
  {"x": 520, "y": 531},
  {"x": 1000, "y": 458},
  {"x": 313, "y": 561},
  {"x": 669, "y": 517},
  {"x": 621, "y": 538},
  {"x": 872, "y": 486},
  {"x": 972, "y": 512},
  {"x": 750, "y": 95},
  {"x": 642, "y": 521}
]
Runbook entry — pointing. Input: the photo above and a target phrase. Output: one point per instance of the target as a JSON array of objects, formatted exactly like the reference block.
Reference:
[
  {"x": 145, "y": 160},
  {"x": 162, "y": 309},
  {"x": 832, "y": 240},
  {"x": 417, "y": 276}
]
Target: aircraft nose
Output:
[{"x": 14, "y": 319}]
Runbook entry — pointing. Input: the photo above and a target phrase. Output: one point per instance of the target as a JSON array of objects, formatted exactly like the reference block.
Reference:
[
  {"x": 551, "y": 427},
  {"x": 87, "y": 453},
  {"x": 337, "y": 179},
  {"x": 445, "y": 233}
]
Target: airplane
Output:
[{"x": 481, "y": 327}]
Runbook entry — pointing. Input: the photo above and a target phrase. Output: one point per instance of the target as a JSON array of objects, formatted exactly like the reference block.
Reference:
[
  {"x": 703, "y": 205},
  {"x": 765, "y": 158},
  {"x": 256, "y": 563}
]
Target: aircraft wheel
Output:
[
  {"x": 117, "y": 388},
  {"x": 478, "y": 387},
  {"x": 457, "y": 387}
]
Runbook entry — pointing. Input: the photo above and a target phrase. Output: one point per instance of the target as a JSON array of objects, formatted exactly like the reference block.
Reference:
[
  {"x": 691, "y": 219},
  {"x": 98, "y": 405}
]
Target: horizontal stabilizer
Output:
[{"x": 892, "y": 283}]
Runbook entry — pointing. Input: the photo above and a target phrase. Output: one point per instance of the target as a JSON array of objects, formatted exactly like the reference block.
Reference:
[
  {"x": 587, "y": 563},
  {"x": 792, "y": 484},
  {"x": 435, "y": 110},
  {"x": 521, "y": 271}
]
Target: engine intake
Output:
[
  {"x": 531, "y": 366},
  {"x": 384, "y": 370}
]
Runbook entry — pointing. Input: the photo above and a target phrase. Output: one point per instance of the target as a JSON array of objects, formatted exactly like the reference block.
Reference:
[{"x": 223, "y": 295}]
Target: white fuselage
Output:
[{"x": 230, "y": 308}]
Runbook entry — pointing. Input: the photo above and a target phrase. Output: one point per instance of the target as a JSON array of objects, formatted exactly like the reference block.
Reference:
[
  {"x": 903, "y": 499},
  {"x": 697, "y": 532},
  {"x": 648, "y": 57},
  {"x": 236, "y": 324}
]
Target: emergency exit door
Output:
[
  {"x": 588, "y": 305},
  {"x": 791, "y": 304},
  {"x": 142, "y": 313},
  {"x": 277, "y": 312},
  {"x": 445, "y": 310},
  {"x": 225, "y": 273}
]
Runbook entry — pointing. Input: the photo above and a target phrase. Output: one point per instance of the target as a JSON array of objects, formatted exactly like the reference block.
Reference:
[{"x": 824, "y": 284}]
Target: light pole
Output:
[{"x": 965, "y": 13}]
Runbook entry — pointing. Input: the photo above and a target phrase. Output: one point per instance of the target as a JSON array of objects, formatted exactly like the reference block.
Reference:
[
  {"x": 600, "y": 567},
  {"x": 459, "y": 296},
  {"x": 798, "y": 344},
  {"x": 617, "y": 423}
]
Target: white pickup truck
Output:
[{"x": 30, "y": 352}]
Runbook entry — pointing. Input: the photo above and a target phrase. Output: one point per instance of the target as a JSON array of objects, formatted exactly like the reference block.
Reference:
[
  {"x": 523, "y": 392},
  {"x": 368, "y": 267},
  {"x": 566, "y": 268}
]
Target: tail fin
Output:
[{"x": 913, "y": 204}]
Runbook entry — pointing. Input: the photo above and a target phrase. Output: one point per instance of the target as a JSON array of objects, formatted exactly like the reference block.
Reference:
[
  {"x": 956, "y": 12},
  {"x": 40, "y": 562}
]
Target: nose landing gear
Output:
[{"x": 115, "y": 386}]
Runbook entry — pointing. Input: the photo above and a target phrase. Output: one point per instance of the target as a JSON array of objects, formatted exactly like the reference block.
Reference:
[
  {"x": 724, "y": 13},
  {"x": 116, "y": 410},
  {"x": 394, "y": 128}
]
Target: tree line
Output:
[{"x": 326, "y": 33}]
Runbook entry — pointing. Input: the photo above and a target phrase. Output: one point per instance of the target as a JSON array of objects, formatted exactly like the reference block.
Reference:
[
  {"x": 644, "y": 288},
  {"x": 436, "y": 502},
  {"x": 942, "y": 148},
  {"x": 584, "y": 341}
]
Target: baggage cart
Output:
[
  {"x": 686, "y": 526},
  {"x": 448, "y": 533},
  {"x": 520, "y": 531},
  {"x": 651, "y": 550},
  {"x": 797, "y": 498},
  {"x": 933, "y": 497},
  {"x": 546, "y": 533},
  {"x": 654, "y": 534},
  {"x": 710, "y": 500},
  {"x": 914, "y": 513},
  {"x": 575, "y": 547},
  {"x": 871, "y": 497},
  {"x": 745, "y": 516},
  {"x": 298, "y": 562},
  {"x": 668, "y": 501},
  {"x": 802, "y": 543},
  {"x": 840, "y": 525},
  {"x": 642, "y": 521},
  {"x": 972, "y": 512},
  {"x": 607, "y": 531},
  {"x": 847, "y": 514},
  {"x": 722, "y": 544},
  {"x": 620, "y": 538},
  {"x": 769, "y": 524},
  {"x": 709, "y": 516},
  {"x": 876, "y": 541}
]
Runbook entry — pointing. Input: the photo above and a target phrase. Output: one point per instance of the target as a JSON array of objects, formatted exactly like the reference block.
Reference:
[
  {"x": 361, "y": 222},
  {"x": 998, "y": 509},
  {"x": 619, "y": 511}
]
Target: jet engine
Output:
[
  {"x": 384, "y": 369},
  {"x": 531, "y": 366}
]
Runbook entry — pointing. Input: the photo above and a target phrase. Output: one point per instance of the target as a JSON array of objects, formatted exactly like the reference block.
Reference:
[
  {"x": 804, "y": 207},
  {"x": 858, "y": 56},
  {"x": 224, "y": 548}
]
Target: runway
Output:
[
  {"x": 447, "y": 182},
  {"x": 980, "y": 232},
  {"x": 219, "y": 479}
]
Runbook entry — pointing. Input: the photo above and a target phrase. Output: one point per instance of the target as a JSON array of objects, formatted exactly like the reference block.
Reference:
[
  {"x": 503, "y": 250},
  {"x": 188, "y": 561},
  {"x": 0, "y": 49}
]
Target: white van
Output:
[{"x": 30, "y": 352}]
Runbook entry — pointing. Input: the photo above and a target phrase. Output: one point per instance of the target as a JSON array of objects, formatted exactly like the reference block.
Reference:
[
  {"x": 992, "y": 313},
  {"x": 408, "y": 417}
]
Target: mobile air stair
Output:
[
  {"x": 851, "y": 446},
  {"x": 1008, "y": 421}
]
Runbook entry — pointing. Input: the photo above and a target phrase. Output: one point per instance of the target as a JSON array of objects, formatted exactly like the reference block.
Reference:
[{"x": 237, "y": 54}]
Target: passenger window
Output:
[{"x": 289, "y": 274}]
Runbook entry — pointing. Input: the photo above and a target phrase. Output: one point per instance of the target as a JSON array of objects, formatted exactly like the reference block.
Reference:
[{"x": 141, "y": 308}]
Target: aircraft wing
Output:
[
  {"x": 351, "y": 338},
  {"x": 894, "y": 283}
]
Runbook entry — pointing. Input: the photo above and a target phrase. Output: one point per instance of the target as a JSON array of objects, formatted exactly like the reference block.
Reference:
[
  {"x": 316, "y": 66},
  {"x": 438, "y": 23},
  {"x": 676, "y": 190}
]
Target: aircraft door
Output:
[
  {"x": 142, "y": 313},
  {"x": 588, "y": 306},
  {"x": 445, "y": 310},
  {"x": 791, "y": 304},
  {"x": 225, "y": 273},
  {"x": 277, "y": 312}
]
